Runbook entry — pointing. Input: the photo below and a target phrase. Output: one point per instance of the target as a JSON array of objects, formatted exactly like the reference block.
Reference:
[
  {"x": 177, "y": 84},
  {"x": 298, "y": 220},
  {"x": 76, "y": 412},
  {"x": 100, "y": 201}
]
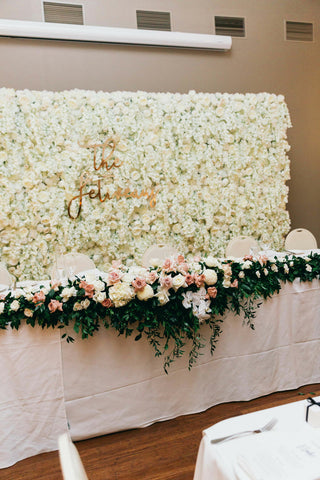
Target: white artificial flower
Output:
[
  {"x": 145, "y": 293},
  {"x": 308, "y": 268},
  {"x": 274, "y": 268},
  {"x": 121, "y": 294},
  {"x": 210, "y": 276},
  {"x": 99, "y": 296},
  {"x": 2, "y": 307},
  {"x": 246, "y": 265},
  {"x": 241, "y": 274},
  {"x": 15, "y": 305},
  {"x": 162, "y": 295},
  {"x": 178, "y": 281}
]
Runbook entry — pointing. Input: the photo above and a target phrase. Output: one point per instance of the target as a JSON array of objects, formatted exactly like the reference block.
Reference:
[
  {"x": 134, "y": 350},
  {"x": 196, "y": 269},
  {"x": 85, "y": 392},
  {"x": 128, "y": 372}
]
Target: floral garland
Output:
[
  {"x": 166, "y": 303},
  {"x": 218, "y": 161}
]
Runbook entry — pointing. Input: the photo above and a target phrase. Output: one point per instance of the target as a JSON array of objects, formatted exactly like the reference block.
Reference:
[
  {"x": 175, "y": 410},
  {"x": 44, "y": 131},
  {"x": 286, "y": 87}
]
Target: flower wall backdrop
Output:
[{"x": 207, "y": 167}]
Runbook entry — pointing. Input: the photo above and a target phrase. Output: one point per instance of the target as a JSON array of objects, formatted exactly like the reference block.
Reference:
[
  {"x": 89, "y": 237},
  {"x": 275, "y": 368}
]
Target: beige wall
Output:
[{"x": 263, "y": 61}]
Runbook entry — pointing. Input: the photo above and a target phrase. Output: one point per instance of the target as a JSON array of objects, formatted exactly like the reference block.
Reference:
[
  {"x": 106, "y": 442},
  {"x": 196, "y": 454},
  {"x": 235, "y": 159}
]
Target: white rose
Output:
[
  {"x": 162, "y": 296},
  {"x": 85, "y": 303},
  {"x": 210, "y": 277},
  {"x": 99, "y": 297},
  {"x": 178, "y": 281},
  {"x": 77, "y": 306},
  {"x": 241, "y": 274},
  {"x": 247, "y": 264},
  {"x": 211, "y": 262},
  {"x": 146, "y": 293},
  {"x": 98, "y": 285},
  {"x": 308, "y": 268},
  {"x": 15, "y": 305},
  {"x": 18, "y": 293},
  {"x": 274, "y": 267}
]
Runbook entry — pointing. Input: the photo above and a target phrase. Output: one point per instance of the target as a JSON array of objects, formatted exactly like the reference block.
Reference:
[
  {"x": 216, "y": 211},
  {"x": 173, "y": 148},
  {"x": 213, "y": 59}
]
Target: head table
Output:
[{"x": 108, "y": 383}]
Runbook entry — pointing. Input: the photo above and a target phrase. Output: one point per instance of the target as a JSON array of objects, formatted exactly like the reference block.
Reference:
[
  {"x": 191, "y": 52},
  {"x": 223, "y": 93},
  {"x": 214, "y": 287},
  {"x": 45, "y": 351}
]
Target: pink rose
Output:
[
  {"x": 39, "y": 297},
  {"x": 189, "y": 278},
  {"x": 168, "y": 265},
  {"x": 183, "y": 267},
  {"x": 212, "y": 292},
  {"x": 139, "y": 284},
  {"x": 166, "y": 282},
  {"x": 107, "y": 303},
  {"x": 234, "y": 284},
  {"x": 55, "y": 305},
  {"x": 152, "y": 276},
  {"x": 114, "y": 277},
  {"x": 180, "y": 259},
  {"x": 263, "y": 260},
  {"x": 199, "y": 280},
  {"x": 88, "y": 288}
]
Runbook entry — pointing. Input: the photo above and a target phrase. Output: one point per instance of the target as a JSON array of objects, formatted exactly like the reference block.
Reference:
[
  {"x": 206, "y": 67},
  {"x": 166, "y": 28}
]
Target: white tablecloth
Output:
[
  {"x": 109, "y": 383},
  {"x": 291, "y": 450}
]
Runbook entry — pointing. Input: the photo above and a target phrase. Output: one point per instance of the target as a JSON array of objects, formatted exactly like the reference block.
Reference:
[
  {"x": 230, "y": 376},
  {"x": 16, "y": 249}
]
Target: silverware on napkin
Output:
[{"x": 265, "y": 428}]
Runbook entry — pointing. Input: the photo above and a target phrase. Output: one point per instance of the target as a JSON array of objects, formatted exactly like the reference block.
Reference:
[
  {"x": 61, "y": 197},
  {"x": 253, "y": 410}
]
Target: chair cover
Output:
[
  {"x": 300, "y": 239},
  {"x": 5, "y": 277},
  {"x": 238, "y": 247},
  {"x": 158, "y": 253},
  {"x": 70, "y": 461},
  {"x": 78, "y": 262}
]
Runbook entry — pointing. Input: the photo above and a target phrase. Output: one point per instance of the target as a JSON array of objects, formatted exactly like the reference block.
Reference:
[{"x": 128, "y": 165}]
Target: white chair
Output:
[
  {"x": 300, "y": 239},
  {"x": 78, "y": 262},
  {"x": 70, "y": 461},
  {"x": 6, "y": 279},
  {"x": 158, "y": 253},
  {"x": 238, "y": 247}
]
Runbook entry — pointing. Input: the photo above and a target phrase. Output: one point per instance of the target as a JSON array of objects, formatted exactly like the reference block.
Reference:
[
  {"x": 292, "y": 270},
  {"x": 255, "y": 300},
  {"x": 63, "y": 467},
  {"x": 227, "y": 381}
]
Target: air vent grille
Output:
[
  {"x": 231, "y": 26},
  {"x": 55, "y": 12},
  {"x": 149, "y": 20},
  {"x": 301, "y": 31}
]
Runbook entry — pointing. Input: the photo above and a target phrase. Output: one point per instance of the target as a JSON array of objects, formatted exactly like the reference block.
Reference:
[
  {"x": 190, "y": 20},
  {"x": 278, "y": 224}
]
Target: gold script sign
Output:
[{"x": 90, "y": 186}]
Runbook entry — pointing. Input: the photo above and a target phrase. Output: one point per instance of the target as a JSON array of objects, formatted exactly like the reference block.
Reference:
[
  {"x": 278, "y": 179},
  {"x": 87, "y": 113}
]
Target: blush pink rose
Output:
[
  {"x": 55, "y": 305},
  {"x": 88, "y": 288},
  {"x": 166, "y": 282},
  {"x": 139, "y": 284},
  {"x": 107, "y": 303},
  {"x": 199, "y": 280},
  {"x": 114, "y": 277},
  {"x": 168, "y": 265},
  {"x": 212, "y": 292},
  {"x": 263, "y": 260},
  {"x": 152, "y": 276},
  {"x": 234, "y": 284},
  {"x": 189, "y": 278},
  {"x": 39, "y": 297},
  {"x": 180, "y": 259}
]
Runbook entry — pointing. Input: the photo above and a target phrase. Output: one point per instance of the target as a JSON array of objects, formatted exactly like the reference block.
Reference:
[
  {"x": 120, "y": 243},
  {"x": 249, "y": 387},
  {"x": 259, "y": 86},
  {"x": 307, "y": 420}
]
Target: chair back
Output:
[
  {"x": 78, "y": 262},
  {"x": 6, "y": 279},
  {"x": 158, "y": 253},
  {"x": 240, "y": 246},
  {"x": 70, "y": 461},
  {"x": 300, "y": 239}
]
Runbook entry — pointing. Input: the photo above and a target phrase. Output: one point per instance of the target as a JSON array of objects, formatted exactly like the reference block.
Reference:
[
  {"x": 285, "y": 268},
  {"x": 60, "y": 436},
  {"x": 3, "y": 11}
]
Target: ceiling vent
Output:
[
  {"x": 55, "y": 12},
  {"x": 299, "y": 31},
  {"x": 231, "y": 26},
  {"x": 148, "y": 20}
]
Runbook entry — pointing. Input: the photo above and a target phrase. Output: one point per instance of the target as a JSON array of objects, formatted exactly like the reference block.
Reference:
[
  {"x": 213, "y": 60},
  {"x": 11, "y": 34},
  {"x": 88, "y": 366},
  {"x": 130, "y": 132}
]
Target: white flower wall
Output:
[{"x": 218, "y": 162}]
